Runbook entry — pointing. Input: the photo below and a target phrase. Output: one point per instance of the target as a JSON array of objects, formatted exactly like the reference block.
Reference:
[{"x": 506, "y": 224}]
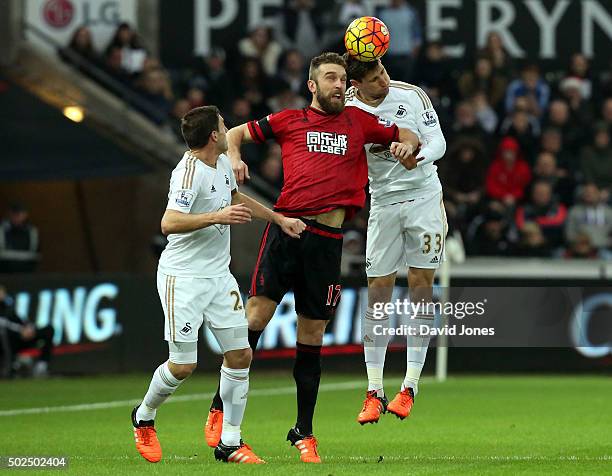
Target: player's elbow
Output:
[
  {"x": 442, "y": 146},
  {"x": 236, "y": 135},
  {"x": 167, "y": 226}
]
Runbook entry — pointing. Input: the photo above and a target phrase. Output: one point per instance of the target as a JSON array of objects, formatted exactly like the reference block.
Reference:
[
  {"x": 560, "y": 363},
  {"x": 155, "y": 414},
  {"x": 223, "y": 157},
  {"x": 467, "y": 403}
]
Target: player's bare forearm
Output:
[
  {"x": 406, "y": 136},
  {"x": 174, "y": 221},
  {"x": 291, "y": 226},
  {"x": 259, "y": 211}
]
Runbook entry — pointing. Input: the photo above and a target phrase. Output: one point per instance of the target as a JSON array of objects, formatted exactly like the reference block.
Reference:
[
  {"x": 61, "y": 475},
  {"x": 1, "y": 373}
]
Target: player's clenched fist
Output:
[
  {"x": 292, "y": 226},
  {"x": 235, "y": 214}
]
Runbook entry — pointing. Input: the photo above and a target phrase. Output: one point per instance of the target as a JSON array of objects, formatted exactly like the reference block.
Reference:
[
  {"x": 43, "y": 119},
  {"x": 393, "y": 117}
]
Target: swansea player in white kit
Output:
[
  {"x": 195, "y": 285},
  {"x": 406, "y": 228}
]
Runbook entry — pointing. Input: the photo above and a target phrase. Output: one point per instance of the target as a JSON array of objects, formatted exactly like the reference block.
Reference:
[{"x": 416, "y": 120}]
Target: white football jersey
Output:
[
  {"x": 409, "y": 107},
  {"x": 198, "y": 188}
]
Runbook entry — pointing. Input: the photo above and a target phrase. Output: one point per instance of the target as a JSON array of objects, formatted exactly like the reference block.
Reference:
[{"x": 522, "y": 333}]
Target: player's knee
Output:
[
  {"x": 310, "y": 331},
  {"x": 259, "y": 311},
  {"x": 382, "y": 281},
  {"x": 181, "y": 371},
  {"x": 238, "y": 359},
  {"x": 420, "y": 278},
  {"x": 380, "y": 289}
]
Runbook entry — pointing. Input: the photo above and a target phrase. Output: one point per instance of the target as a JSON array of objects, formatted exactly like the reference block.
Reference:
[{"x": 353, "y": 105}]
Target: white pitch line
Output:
[{"x": 263, "y": 392}]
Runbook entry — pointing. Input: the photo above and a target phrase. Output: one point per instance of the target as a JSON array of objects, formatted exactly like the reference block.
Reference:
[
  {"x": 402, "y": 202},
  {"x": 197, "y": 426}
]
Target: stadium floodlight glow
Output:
[{"x": 74, "y": 113}]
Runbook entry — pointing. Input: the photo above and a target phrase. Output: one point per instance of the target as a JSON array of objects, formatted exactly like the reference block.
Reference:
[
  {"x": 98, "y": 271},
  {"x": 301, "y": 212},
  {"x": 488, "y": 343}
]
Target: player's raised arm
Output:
[
  {"x": 174, "y": 221},
  {"x": 291, "y": 226},
  {"x": 237, "y": 136},
  {"x": 270, "y": 127},
  {"x": 433, "y": 142}
]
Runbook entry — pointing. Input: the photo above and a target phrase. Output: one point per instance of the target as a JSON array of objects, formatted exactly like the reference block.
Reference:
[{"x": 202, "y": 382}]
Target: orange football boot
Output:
[
  {"x": 213, "y": 427},
  {"x": 401, "y": 405},
  {"x": 306, "y": 444},
  {"x": 373, "y": 407},
  {"x": 237, "y": 454},
  {"x": 145, "y": 435}
]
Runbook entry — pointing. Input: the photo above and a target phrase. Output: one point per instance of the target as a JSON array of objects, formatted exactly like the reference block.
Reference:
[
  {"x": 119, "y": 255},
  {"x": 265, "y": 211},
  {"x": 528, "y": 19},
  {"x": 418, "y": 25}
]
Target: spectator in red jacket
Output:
[
  {"x": 509, "y": 173},
  {"x": 544, "y": 210}
]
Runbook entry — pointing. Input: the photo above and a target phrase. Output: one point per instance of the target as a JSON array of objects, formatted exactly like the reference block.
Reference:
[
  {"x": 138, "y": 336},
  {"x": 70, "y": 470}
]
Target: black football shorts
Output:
[{"x": 310, "y": 266}]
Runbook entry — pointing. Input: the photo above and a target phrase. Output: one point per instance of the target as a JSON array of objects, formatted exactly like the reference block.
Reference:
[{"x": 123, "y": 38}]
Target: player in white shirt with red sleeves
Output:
[
  {"x": 195, "y": 284},
  {"x": 406, "y": 228}
]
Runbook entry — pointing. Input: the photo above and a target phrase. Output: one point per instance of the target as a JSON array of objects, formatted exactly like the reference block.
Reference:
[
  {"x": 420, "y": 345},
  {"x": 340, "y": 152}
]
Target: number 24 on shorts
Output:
[
  {"x": 237, "y": 304},
  {"x": 427, "y": 243}
]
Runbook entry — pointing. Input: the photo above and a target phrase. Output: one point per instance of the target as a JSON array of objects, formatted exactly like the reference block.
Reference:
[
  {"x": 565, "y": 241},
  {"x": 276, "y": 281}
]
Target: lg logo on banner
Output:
[
  {"x": 58, "y": 13},
  {"x": 61, "y": 13}
]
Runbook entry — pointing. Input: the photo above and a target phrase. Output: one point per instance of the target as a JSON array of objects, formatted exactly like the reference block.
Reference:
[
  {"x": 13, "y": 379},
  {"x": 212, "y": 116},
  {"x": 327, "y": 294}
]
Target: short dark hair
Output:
[
  {"x": 197, "y": 125},
  {"x": 324, "y": 58},
  {"x": 356, "y": 69}
]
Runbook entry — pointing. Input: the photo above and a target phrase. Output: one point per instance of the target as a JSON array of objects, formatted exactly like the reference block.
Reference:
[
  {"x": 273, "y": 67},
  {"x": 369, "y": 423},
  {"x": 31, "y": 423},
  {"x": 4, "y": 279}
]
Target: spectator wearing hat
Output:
[
  {"x": 579, "y": 69},
  {"x": 577, "y": 97},
  {"x": 508, "y": 174}
]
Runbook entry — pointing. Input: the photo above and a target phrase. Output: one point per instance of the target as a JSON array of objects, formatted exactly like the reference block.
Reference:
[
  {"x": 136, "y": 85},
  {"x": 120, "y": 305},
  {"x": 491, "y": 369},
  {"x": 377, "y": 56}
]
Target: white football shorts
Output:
[
  {"x": 406, "y": 234},
  {"x": 189, "y": 302}
]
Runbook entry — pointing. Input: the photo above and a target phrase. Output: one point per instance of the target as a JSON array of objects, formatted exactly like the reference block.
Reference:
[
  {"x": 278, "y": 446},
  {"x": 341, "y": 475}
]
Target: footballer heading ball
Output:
[{"x": 366, "y": 39}]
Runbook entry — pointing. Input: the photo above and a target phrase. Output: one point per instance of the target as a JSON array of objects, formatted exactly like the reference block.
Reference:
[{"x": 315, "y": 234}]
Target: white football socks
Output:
[
  {"x": 375, "y": 340},
  {"x": 416, "y": 350},
  {"x": 163, "y": 384},
  {"x": 234, "y": 387}
]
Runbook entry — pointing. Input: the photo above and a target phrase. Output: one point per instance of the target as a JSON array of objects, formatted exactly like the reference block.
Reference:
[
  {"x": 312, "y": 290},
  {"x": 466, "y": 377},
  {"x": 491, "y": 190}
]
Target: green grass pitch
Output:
[{"x": 468, "y": 425}]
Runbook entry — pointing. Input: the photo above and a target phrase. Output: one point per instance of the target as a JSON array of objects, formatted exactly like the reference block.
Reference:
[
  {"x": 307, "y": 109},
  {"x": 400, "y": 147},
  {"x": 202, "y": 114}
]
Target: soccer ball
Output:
[{"x": 366, "y": 39}]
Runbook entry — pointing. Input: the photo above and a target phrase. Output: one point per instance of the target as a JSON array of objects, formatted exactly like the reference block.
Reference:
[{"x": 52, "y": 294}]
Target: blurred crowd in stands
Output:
[{"x": 528, "y": 168}]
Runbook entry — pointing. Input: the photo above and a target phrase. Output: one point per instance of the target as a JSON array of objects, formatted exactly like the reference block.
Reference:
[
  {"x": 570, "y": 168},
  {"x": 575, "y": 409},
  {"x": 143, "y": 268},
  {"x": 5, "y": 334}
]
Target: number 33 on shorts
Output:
[{"x": 430, "y": 238}]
